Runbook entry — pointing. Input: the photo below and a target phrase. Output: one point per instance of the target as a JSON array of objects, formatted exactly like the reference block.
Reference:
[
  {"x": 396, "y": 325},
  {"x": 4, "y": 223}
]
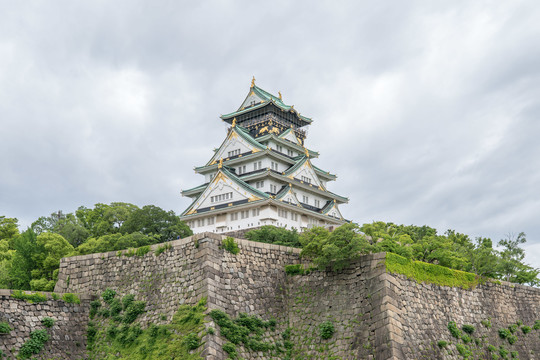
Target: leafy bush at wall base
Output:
[{"x": 180, "y": 339}]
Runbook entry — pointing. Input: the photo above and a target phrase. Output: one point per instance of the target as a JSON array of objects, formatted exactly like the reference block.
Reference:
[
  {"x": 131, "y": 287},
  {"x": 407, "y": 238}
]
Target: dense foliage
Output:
[
  {"x": 275, "y": 235},
  {"x": 420, "y": 244},
  {"x": 30, "y": 260}
]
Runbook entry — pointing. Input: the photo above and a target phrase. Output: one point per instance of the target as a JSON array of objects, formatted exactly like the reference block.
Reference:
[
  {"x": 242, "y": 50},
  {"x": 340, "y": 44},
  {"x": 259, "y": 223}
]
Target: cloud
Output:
[{"x": 427, "y": 112}]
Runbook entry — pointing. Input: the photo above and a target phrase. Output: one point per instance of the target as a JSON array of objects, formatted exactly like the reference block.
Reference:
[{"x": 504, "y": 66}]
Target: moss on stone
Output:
[{"x": 431, "y": 273}]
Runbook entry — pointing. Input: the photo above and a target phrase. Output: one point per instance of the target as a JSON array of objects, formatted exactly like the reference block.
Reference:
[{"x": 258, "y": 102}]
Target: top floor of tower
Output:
[{"x": 262, "y": 113}]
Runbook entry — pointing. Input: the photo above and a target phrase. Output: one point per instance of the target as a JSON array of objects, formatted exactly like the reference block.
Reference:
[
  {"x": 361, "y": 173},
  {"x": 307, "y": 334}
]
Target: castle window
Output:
[
  {"x": 234, "y": 216},
  {"x": 274, "y": 165},
  {"x": 294, "y": 217},
  {"x": 259, "y": 184},
  {"x": 279, "y": 148},
  {"x": 317, "y": 203},
  {"x": 255, "y": 212},
  {"x": 211, "y": 221},
  {"x": 241, "y": 169},
  {"x": 244, "y": 214},
  {"x": 305, "y": 199},
  {"x": 290, "y": 152},
  {"x": 233, "y": 153},
  {"x": 273, "y": 188},
  {"x": 306, "y": 179},
  {"x": 221, "y": 197},
  {"x": 257, "y": 165},
  {"x": 283, "y": 213}
]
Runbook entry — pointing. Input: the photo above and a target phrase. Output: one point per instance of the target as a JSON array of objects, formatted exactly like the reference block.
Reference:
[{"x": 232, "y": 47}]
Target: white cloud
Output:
[{"x": 427, "y": 112}]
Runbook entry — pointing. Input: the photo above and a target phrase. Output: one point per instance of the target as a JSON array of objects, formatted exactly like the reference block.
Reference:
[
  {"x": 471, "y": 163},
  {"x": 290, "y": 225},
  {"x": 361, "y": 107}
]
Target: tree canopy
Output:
[{"x": 30, "y": 260}]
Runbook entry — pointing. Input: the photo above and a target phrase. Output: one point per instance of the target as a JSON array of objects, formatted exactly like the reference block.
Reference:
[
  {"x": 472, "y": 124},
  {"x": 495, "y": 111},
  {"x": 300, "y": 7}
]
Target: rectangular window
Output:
[
  {"x": 257, "y": 165},
  {"x": 273, "y": 188},
  {"x": 305, "y": 199},
  {"x": 244, "y": 214},
  {"x": 255, "y": 212},
  {"x": 234, "y": 216},
  {"x": 317, "y": 203},
  {"x": 279, "y": 148},
  {"x": 274, "y": 165},
  {"x": 233, "y": 153},
  {"x": 221, "y": 197},
  {"x": 290, "y": 153},
  {"x": 283, "y": 213},
  {"x": 294, "y": 217},
  {"x": 259, "y": 184},
  {"x": 211, "y": 221},
  {"x": 306, "y": 179},
  {"x": 241, "y": 169}
]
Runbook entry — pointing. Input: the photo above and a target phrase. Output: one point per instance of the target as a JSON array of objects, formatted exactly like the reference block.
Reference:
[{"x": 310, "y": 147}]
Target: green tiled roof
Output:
[
  {"x": 246, "y": 136},
  {"x": 267, "y": 99},
  {"x": 301, "y": 161},
  {"x": 236, "y": 180},
  {"x": 324, "y": 173},
  {"x": 244, "y": 184}
]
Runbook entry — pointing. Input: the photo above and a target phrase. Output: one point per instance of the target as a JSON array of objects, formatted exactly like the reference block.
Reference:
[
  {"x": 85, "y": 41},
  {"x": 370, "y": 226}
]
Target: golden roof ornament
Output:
[
  {"x": 234, "y": 122},
  {"x": 253, "y": 82},
  {"x": 220, "y": 165},
  {"x": 307, "y": 152},
  {"x": 279, "y": 93}
]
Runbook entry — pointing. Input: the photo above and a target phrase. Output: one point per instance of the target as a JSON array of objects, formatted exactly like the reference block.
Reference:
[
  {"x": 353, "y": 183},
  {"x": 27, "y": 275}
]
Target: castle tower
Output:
[{"x": 262, "y": 173}]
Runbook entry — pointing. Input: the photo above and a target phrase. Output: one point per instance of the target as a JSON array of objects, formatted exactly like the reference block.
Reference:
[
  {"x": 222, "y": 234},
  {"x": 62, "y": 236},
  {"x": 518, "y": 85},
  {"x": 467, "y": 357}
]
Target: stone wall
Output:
[
  {"x": 67, "y": 336},
  {"x": 421, "y": 314},
  {"x": 375, "y": 314},
  {"x": 164, "y": 281}
]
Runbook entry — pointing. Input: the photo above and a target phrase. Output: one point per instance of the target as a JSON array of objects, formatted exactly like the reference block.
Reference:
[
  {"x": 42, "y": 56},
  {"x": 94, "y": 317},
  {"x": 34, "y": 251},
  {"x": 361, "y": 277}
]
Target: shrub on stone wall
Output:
[
  {"x": 71, "y": 298},
  {"x": 4, "y": 328},
  {"x": 230, "y": 245},
  {"x": 326, "y": 330},
  {"x": 34, "y": 345},
  {"x": 48, "y": 322}
]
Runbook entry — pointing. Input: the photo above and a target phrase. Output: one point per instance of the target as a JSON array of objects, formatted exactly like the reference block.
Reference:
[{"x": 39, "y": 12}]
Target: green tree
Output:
[
  {"x": 275, "y": 235},
  {"x": 25, "y": 246},
  {"x": 50, "y": 249},
  {"x": 152, "y": 220},
  {"x": 114, "y": 242},
  {"x": 334, "y": 249},
  {"x": 105, "y": 219},
  {"x": 484, "y": 260},
  {"x": 511, "y": 267},
  {"x": 8, "y": 228}
]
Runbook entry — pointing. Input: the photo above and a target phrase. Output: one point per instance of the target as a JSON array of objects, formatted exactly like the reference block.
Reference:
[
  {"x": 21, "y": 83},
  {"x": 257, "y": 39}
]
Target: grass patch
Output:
[
  {"x": 31, "y": 298},
  {"x": 297, "y": 269},
  {"x": 430, "y": 273},
  {"x": 161, "y": 249},
  {"x": 71, "y": 298}
]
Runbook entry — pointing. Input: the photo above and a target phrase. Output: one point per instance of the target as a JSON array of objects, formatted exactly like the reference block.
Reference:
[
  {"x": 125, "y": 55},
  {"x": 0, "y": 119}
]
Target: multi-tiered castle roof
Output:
[{"x": 262, "y": 174}]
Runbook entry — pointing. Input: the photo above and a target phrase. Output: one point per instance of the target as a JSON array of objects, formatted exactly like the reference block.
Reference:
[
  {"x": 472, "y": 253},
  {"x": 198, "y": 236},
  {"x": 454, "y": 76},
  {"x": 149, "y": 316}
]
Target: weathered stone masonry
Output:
[
  {"x": 67, "y": 336},
  {"x": 376, "y": 314}
]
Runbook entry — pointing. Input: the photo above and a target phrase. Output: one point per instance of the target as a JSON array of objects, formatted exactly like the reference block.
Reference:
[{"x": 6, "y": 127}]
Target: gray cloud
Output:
[{"x": 427, "y": 112}]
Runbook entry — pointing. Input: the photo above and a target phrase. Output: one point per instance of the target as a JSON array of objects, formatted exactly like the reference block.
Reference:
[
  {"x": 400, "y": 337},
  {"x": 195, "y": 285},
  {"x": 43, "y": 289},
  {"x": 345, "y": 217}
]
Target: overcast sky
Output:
[{"x": 427, "y": 111}]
